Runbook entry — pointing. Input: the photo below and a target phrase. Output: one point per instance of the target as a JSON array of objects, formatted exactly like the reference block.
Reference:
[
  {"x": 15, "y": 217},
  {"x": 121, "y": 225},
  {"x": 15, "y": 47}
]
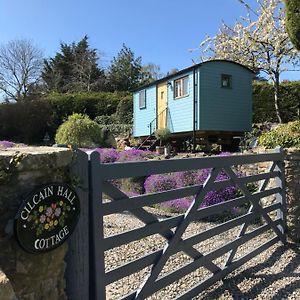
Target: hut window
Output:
[
  {"x": 181, "y": 87},
  {"x": 226, "y": 81},
  {"x": 142, "y": 99}
]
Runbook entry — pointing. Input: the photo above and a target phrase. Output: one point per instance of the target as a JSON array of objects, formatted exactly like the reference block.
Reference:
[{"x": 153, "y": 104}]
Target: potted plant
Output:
[{"x": 162, "y": 134}]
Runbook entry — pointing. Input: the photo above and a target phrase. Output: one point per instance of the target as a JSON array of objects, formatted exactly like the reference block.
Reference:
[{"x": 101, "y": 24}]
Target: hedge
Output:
[
  {"x": 28, "y": 121},
  {"x": 92, "y": 104},
  {"x": 263, "y": 102},
  {"x": 25, "y": 122}
]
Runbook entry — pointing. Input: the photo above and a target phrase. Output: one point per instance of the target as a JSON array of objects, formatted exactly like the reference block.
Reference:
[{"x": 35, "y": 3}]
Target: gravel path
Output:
[{"x": 274, "y": 274}]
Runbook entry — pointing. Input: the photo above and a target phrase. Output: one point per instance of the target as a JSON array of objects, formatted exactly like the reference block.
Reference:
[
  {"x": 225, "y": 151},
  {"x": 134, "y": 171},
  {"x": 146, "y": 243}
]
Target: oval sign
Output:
[{"x": 47, "y": 217}]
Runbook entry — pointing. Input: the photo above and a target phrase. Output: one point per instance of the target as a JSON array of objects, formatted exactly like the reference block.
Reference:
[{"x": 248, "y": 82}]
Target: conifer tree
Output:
[
  {"x": 74, "y": 69},
  {"x": 125, "y": 71}
]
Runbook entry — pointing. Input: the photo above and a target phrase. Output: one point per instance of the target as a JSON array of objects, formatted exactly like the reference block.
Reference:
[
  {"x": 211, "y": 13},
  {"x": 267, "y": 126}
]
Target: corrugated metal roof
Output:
[{"x": 186, "y": 70}]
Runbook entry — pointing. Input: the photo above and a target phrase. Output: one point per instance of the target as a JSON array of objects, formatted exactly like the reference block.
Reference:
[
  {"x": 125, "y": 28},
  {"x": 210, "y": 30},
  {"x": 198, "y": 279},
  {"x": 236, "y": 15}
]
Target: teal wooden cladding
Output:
[
  {"x": 180, "y": 111},
  {"x": 142, "y": 117},
  {"x": 217, "y": 108},
  {"x": 225, "y": 109}
]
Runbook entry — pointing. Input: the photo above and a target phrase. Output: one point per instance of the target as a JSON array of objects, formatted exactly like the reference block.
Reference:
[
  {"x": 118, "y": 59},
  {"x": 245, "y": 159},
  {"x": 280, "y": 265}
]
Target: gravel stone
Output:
[{"x": 274, "y": 274}]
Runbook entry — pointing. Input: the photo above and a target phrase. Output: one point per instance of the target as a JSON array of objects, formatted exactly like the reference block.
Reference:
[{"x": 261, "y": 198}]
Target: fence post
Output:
[
  {"x": 96, "y": 254},
  {"x": 77, "y": 260},
  {"x": 281, "y": 198}
]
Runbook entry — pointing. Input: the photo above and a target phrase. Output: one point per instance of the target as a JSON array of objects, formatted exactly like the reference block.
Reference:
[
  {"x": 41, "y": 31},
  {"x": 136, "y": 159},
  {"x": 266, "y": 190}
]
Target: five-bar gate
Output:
[{"x": 100, "y": 187}]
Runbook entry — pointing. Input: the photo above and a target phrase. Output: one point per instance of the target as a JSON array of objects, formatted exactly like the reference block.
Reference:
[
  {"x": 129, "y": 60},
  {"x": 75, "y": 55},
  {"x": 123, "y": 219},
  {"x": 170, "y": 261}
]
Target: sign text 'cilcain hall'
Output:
[{"x": 47, "y": 217}]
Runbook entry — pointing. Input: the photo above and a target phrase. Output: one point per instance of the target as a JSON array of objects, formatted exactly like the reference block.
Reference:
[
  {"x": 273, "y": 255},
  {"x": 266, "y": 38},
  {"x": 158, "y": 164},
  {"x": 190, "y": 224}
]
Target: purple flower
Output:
[
  {"x": 49, "y": 211},
  {"x": 164, "y": 182},
  {"x": 135, "y": 155},
  {"x": 111, "y": 155},
  {"x": 42, "y": 219},
  {"x": 224, "y": 154},
  {"x": 6, "y": 144},
  {"x": 179, "y": 205},
  {"x": 57, "y": 212},
  {"x": 160, "y": 183},
  {"x": 108, "y": 155}
]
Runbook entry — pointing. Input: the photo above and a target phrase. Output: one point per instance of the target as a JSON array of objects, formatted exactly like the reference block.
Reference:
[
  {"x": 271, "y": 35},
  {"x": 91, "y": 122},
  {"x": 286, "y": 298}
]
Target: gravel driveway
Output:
[{"x": 274, "y": 274}]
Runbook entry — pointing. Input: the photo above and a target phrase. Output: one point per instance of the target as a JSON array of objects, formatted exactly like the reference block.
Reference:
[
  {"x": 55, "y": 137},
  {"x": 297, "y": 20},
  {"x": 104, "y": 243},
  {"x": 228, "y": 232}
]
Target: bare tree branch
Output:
[{"x": 20, "y": 68}]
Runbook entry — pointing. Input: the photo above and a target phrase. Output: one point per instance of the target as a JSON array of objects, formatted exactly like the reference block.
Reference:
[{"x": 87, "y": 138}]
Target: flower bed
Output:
[
  {"x": 163, "y": 182},
  {"x": 8, "y": 144},
  {"x": 111, "y": 155}
]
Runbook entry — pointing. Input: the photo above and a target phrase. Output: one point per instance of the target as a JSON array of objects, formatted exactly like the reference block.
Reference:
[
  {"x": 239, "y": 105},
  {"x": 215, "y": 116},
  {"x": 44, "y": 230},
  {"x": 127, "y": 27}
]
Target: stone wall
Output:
[
  {"x": 23, "y": 275},
  {"x": 292, "y": 181}
]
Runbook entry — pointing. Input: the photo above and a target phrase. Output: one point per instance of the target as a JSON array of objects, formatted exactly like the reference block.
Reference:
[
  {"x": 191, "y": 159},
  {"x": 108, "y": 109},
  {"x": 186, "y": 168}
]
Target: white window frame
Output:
[
  {"x": 181, "y": 92},
  {"x": 142, "y": 99}
]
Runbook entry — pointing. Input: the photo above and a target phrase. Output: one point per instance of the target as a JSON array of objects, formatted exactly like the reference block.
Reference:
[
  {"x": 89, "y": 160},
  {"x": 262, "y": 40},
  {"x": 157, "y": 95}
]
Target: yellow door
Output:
[{"x": 162, "y": 93}]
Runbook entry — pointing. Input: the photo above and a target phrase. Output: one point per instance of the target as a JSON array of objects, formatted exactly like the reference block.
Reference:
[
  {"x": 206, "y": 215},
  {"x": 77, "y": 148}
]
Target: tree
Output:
[
  {"x": 20, "y": 68},
  {"x": 292, "y": 13},
  {"x": 125, "y": 71},
  {"x": 262, "y": 43},
  {"x": 74, "y": 69},
  {"x": 172, "y": 71},
  {"x": 150, "y": 72}
]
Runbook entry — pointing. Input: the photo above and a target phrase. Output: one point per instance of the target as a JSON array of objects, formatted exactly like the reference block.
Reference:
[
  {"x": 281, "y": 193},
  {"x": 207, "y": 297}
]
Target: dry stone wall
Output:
[
  {"x": 23, "y": 275},
  {"x": 292, "y": 182}
]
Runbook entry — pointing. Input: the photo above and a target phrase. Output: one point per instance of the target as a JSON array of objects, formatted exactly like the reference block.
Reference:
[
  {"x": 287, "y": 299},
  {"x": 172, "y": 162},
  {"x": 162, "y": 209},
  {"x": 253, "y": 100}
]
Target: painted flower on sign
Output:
[
  {"x": 42, "y": 219},
  {"x": 48, "y": 217},
  {"x": 57, "y": 212}
]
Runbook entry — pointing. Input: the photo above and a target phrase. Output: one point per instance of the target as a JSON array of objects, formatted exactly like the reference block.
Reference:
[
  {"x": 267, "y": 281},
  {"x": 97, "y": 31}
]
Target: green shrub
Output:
[
  {"x": 105, "y": 119},
  {"x": 162, "y": 134},
  {"x": 112, "y": 124},
  {"x": 119, "y": 130},
  {"x": 79, "y": 130},
  {"x": 124, "y": 111},
  {"x": 91, "y": 104},
  {"x": 286, "y": 135}
]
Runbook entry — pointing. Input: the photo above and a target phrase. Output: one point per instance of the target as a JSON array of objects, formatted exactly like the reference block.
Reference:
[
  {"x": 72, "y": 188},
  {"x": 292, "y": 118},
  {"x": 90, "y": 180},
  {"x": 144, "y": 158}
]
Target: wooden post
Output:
[
  {"x": 96, "y": 253},
  {"x": 77, "y": 260},
  {"x": 281, "y": 198}
]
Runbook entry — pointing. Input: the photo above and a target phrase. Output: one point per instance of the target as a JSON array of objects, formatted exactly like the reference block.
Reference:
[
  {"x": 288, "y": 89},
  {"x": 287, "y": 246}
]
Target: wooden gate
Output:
[{"x": 273, "y": 219}]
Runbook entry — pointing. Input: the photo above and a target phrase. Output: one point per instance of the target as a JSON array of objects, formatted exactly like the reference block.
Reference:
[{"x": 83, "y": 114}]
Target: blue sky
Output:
[{"x": 161, "y": 31}]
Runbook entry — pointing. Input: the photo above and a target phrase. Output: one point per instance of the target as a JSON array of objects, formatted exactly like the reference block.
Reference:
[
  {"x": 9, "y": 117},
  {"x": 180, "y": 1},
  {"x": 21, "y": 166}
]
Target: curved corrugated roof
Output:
[{"x": 188, "y": 69}]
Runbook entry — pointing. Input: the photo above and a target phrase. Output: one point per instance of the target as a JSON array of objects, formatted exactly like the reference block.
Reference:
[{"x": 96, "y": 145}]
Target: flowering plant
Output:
[
  {"x": 48, "y": 217},
  {"x": 111, "y": 155},
  {"x": 164, "y": 182},
  {"x": 6, "y": 144},
  {"x": 108, "y": 155},
  {"x": 135, "y": 155}
]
